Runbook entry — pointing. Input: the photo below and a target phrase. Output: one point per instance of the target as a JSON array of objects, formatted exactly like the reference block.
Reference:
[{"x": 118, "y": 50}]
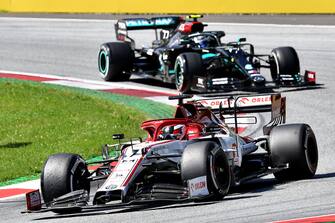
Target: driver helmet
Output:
[
  {"x": 172, "y": 132},
  {"x": 205, "y": 41},
  {"x": 168, "y": 129}
]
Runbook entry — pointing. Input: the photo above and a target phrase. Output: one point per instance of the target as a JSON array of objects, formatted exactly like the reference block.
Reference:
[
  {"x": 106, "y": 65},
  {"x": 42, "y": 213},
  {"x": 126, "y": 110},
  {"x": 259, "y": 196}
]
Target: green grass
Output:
[{"x": 37, "y": 120}]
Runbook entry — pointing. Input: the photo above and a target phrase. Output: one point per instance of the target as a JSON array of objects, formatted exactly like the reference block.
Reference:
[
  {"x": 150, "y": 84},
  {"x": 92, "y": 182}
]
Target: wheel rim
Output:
[
  {"x": 179, "y": 75},
  {"x": 79, "y": 180},
  {"x": 103, "y": 62},
  {"x": 220, "y": 176},
  {"x": 275, "y": 76},
  {"x": 311, "y": 154}
]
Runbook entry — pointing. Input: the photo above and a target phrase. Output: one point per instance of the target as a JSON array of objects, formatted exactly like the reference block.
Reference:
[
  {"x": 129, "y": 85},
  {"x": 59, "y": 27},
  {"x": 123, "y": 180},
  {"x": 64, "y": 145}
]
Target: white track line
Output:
[{"x": 91, "y": 84}]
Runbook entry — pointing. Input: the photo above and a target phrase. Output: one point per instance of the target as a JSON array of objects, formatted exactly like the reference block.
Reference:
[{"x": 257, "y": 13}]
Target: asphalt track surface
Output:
[{"x": 70, "y": 47}]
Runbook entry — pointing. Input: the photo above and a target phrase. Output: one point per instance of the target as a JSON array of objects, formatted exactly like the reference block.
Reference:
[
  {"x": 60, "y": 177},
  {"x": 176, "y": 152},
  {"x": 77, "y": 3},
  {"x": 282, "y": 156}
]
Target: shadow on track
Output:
[
  {"x": 255, "y": 186},
  {"x": 14, "y": 145},
  {"x": 250, "y": 189},
  {"x": 248, "y": 90},
  {"x": 262, "y": 185},
  {"x": 240, "y": 192},
  {"x": 324, "y": 175},
  {"x": 146, "y": 207}
]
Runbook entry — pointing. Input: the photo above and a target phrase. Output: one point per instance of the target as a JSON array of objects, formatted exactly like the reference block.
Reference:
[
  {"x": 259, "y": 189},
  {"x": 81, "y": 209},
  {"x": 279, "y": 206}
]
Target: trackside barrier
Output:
[{"x": 171, "y": 6}]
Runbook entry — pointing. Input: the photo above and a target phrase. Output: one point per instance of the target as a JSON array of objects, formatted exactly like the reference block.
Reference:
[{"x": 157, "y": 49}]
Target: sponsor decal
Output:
[
  {"x": 33, "y": 200},
  {"x": 253, "y": 73},
  {"x": 150, "y": 52},
  {"x": 111, "y": 187},
  {"x": 207, "y": 55},
  {"x": 219, "y": 81},
  {"x": 163, "y": 21},
  {"x": 122, "y": 32},
  {"x": 122, "y": 25},
  {"x": 140, "y": 22},
  {"x": 181, "y": 27},
  {"x": 165, "y": 56},
  {"x": 120, "y": 173},
  {"x": 286, "y": 77},
  {"x": 248, "y": 67},
  {"x": 147, "y": 22},
  {"x": 310, "y": 77},
  {"x": 165, "y": 34},
  {"x": 198, "y": 187},
  {"x": 242, "y": 102},
  {"x": 126, "y": 168},
  {"x": 200, "y": 83}
]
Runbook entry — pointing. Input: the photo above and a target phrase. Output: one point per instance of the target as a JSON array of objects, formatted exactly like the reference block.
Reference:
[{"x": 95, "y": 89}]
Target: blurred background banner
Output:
[{"x": 170, "y": 6}]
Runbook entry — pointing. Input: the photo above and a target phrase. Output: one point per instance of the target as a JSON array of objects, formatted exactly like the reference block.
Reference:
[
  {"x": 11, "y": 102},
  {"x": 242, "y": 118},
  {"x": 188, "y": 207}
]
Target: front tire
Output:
[
  {"x": 207, "y": 159},
  {"x": 62, "y": 174},
  {"x": 284, "y": 60},
  {"x": 296, "y": 145},
  {"x": 187, "y": 65},
  {"x": 115, "y": 61}
]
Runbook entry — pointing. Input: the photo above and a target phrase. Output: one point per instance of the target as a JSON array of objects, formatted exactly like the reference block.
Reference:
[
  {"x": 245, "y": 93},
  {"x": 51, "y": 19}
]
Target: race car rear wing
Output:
[
  {"x": 235, "y": 105},
  {"x": 124, "y": 25}
]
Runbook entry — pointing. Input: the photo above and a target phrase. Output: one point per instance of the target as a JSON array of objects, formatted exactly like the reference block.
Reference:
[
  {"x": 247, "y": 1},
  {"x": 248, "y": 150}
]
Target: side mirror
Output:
[
  {"x": 221, "y": 34},
  {"x": 194, "y": 18},
  {"x": 243, "y": 39},
  {"x": 118, "y": 136}
]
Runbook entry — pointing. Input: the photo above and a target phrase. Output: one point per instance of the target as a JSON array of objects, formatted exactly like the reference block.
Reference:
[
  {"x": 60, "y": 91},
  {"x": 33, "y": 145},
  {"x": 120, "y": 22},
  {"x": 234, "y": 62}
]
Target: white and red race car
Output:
[{"x": 193, "y": 156}]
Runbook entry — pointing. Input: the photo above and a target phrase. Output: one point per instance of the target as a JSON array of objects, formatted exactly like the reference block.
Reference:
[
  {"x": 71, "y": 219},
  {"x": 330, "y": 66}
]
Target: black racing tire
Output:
[
  {"x": 187, "y": 65},
  {"x": 115, "y": 61},
  {"x": 206, "y": 158},
  {"x": 284, "y": 60},
  {"x": 296, "y": 145},
  {"x": 63, "y": 173}
]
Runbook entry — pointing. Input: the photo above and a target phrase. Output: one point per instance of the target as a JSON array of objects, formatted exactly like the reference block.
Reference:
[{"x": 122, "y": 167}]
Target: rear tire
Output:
[
  {"x": 296, "y": 145},
  {"x": 115, "y": 61},
  {"x": 285, "y": 60},
  {"x": 187, "y": 65},
  {"x": 207, "y": 159},
  {"x": 62, "y": 174}
]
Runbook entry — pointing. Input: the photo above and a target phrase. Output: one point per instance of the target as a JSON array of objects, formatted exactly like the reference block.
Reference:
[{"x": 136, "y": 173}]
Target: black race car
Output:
[
  {"x": 193, "y": 156},
  {"x": 194, "y": 59}
]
